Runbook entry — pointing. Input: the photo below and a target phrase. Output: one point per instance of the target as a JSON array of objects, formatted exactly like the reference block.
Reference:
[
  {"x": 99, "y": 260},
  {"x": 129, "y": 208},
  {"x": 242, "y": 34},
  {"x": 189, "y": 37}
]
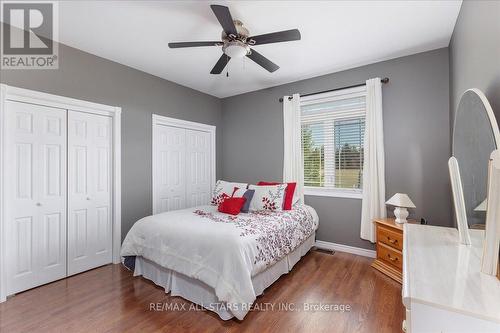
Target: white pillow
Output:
[
  {"x": 267, "y": 197},
  {"x": 223, "y": 188}
]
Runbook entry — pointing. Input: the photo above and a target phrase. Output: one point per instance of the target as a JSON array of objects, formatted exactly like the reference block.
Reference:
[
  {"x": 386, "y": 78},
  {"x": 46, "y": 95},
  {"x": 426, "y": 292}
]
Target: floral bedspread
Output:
[{"x": 276, "y": 233}]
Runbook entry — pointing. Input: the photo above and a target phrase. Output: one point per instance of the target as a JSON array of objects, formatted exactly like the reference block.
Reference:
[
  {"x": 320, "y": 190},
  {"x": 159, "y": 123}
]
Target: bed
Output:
[{"x": 219, "y": 261}]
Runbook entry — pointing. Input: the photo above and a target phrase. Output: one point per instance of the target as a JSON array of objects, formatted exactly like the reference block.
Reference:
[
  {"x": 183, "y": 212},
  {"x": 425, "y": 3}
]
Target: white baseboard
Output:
[{"x": 345, "y": 248}]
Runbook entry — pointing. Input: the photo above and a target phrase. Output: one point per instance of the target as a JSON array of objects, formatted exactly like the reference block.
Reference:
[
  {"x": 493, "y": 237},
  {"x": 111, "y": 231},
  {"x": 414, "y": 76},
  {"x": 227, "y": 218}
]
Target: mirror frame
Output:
[
  {"x": 456, "y": 182},
  {"x": 489, "y": 112},
  {"x": 490, "y": 259}
]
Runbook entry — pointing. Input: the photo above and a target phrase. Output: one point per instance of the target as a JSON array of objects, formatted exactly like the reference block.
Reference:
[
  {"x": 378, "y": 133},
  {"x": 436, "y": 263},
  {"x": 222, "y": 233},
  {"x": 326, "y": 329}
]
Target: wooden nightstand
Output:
[{"x": 389, "y": 248}]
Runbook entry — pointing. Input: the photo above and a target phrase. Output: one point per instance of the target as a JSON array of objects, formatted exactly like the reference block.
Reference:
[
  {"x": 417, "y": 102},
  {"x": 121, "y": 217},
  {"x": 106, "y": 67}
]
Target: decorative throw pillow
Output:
[
  {"x": 267, "y": 197},
  {"x": 247, "y": 194},
  {"x": 231, "y": 205},
  {"x": 289, "y": 192},
  {"x": 222, "y": 187}
]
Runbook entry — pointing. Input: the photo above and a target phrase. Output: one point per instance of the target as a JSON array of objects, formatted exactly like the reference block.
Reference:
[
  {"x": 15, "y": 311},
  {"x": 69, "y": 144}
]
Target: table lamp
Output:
[{"x": 401, "y": 202}]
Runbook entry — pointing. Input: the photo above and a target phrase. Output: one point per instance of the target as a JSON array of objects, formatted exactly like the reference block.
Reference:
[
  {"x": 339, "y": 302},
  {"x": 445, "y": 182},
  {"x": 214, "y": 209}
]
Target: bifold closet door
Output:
[
  {"x": 89, "y": 191},
  {"x": 169, "y": 168},
  {"x": 198, "y": 170},
  {"x": 35, "y": 194}
]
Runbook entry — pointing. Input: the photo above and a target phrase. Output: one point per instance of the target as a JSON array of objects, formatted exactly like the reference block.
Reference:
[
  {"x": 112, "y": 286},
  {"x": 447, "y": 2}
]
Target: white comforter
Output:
[{"x": 221, "y": 250}]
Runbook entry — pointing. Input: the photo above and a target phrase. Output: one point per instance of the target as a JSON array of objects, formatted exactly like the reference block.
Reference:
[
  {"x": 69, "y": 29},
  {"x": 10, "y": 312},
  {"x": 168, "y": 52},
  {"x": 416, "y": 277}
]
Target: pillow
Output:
[
  {"x": 267, "y": 197},
  {"x": 222, "y": 187},
  {"x": 247, "y": 194},
  {"x": 289, "y": 192},
  {"x": 231, "y": 205}
]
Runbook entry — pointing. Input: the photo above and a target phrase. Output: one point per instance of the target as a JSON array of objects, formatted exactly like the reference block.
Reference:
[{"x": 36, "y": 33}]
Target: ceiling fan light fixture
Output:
[
  {"x": 236, "y": 49},
  {"x": 236, "y": 41}
]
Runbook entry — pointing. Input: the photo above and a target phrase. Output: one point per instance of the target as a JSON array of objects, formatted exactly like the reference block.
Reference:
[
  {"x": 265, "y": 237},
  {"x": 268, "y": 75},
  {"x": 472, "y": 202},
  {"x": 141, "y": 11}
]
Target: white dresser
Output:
[{"x": 443, "y": 288}]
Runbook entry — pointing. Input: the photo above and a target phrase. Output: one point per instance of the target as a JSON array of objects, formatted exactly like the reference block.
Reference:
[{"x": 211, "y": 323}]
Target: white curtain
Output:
[
  {"x": 373, "y": 205},
  {"x": 293, "y": 167}
]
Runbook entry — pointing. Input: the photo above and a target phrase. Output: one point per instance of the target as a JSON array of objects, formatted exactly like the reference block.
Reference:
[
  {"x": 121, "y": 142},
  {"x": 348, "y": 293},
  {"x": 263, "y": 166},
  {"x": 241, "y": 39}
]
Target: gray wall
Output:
[
  {"x": 416, "y": 130},
  {"x": 85, "y": 76},
  {"x": 416, "y": 120},
  {"x": 475, "y": 53}
]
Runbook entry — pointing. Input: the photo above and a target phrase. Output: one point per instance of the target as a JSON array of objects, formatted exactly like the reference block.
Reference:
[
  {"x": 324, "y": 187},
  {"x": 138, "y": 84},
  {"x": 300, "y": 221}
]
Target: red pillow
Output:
[
  {"x": 232, "y": 205},
  {"x": 289, "y": 191}
]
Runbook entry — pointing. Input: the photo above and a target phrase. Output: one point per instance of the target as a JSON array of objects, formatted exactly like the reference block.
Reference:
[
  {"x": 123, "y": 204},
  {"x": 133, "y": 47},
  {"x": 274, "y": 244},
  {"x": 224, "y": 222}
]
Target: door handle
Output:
[
  {"x": 88, "y": 198},
  {"x": 38, "y": 204}
]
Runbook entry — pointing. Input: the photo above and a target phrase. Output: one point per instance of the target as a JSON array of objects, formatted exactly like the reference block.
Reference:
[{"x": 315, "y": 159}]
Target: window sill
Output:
[{"x": 335, "y": 193}]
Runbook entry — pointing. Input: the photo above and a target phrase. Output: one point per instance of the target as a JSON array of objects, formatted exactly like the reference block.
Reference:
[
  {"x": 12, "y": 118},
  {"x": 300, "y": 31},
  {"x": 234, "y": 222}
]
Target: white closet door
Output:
[
  {"x": 169, "y": 168},
  {"x": 198, "y": 170},
  {"x": 35, "y": 187},
  {"x": 89, "y": 187}
]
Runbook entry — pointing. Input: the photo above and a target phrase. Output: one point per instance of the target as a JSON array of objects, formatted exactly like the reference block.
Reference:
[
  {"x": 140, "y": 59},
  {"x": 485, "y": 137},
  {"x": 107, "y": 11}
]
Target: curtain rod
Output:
[{"x": 384, "y": 80}]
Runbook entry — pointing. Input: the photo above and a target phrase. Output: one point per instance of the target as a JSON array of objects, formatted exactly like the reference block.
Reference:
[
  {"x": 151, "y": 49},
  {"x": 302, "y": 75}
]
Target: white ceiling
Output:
[{"x": 336, "y": 35}]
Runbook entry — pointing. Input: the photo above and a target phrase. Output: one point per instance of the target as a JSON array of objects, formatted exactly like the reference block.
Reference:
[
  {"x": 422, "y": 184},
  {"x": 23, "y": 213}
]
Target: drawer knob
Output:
[
  {"x": 391, "y": 258},
  {"x": 392, "y": 241}
]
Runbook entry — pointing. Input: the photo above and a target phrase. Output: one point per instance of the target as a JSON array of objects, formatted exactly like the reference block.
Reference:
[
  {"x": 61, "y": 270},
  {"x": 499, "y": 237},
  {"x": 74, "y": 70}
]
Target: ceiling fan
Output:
[{"x": 236, "y": 41}]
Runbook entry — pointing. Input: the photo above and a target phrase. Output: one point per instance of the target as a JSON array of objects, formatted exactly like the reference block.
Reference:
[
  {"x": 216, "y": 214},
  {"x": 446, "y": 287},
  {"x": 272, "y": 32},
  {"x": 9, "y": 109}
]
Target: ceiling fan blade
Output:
[
  {"x": 225, "y": 19},
  {"x": 263, "y": 61},
  {"x": 193, "y": 44},
  {"x": 275, "y": 37},
  {"x": 221, "y": 63}
]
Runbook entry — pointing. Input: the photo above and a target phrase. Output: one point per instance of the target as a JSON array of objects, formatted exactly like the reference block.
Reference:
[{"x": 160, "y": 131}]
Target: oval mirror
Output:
[{"x": 475, "y": 136}]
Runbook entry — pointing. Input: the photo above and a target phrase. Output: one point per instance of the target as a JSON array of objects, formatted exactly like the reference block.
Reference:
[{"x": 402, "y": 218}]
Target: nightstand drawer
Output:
[
  {"x": 390, "y": 256},
  {"x": 390, "y": 238}
]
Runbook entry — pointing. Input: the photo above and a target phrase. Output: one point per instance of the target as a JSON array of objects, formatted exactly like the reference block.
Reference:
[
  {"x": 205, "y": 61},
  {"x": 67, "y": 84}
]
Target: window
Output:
[{"x": 333, "y": 126}]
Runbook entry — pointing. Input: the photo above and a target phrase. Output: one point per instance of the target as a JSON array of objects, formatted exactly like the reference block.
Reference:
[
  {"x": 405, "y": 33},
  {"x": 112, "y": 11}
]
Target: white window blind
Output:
[{"x": 333, "y": 126}]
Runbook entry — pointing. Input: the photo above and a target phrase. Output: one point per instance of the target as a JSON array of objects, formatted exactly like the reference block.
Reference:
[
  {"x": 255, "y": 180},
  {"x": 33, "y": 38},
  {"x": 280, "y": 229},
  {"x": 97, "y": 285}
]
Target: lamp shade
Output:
[
  {"x": 400, "y": 200},
  {"x": 482, "y": 206}
]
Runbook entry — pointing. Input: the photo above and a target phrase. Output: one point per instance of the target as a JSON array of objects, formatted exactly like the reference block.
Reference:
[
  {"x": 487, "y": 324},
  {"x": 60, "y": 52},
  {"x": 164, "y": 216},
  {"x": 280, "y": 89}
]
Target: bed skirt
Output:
[{"x": 201, "y": 294}]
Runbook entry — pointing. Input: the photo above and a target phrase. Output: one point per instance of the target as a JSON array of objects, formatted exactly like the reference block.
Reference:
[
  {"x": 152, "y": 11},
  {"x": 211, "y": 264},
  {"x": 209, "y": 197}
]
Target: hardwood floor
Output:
[{"x": 109, "y": 299}]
